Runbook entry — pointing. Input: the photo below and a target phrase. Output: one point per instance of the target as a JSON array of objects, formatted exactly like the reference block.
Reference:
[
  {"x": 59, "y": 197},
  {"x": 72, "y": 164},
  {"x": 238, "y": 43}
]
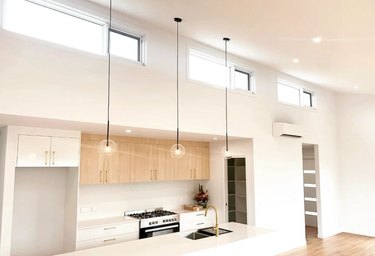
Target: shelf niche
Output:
[{"x": 236, "y": 182}]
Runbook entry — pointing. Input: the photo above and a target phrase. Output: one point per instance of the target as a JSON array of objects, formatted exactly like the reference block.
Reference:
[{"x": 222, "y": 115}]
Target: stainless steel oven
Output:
[
  {"x": 156, "y": 222},
  {"x": 159, "y": 230}
]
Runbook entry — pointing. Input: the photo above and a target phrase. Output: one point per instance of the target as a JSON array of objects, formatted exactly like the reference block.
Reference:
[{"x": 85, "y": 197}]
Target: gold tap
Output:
[{"x": 216, "y": 228}]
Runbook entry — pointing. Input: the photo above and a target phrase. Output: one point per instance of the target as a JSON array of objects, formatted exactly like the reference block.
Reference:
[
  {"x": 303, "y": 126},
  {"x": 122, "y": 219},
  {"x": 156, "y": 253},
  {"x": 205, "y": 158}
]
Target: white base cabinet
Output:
[
  {"x": 96, "y": 236},
  {"x": 196, "y": 220}
]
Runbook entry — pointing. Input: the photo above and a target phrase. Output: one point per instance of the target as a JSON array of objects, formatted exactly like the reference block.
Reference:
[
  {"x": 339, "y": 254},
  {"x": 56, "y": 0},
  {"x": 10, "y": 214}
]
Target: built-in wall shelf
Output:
[
  {"x": 311, "y": 213},
  {"x": 309, "y": 171},
  {"x": 309, "y": 185},
  {"x": 236, "y": 182},
  {"x": 310, "y": 199}
]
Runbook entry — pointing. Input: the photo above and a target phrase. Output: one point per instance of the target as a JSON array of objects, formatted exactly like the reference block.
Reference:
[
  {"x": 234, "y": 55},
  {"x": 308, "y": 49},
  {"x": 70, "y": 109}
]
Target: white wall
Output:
[
  {"x": 39, "y": 211},
  {"x": 44, "y": 80},
  {"x": 356, "y": 119}
]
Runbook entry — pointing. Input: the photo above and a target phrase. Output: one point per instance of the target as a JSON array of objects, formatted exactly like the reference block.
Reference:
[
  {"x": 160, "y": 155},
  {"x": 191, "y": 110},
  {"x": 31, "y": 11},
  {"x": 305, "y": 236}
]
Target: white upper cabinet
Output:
[{"x": 42, "y": 151}]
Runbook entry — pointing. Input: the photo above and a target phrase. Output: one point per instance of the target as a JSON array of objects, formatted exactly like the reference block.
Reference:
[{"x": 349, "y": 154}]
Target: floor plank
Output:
[{"x": 343, "y": 244}]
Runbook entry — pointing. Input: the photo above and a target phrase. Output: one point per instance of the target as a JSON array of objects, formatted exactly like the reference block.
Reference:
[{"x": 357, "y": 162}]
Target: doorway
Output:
[
  {"x": 236, "y": 190},
  {"x": 311, "y": 190}
]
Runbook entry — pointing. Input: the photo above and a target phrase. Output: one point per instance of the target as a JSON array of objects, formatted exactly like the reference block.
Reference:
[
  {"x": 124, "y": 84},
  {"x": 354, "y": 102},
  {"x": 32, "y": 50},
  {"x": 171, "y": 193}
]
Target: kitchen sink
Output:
[
  {"x": 212, "y": 232},
  {"x": 206, "y": 232},
  {"x": 197, "y": 235}
]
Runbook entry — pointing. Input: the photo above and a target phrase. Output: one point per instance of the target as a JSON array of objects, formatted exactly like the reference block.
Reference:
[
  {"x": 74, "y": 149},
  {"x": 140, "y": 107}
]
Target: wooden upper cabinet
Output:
[
  {"x": 164, "y": 163},
  {"x": 99, "y": 169},
  {"x": 202, "y": 163},
  {"x": 92, "y": 164},
  {"x": 185, "y": 165},
  {"x": 152, "y": 162},
  {"x": 194, "y": 165},
  {"x": 142, "y": 160},
  {"x": 122, "y": 164}
]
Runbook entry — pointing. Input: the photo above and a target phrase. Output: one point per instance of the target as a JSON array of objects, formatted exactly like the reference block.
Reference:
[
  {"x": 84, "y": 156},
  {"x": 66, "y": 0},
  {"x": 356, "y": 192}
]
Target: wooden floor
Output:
[{"x": 343, "y": 244}]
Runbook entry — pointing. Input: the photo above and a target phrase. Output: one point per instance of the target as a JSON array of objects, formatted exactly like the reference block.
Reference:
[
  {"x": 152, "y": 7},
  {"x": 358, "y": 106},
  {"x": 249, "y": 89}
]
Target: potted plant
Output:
[{"x": 201, "y": 197}]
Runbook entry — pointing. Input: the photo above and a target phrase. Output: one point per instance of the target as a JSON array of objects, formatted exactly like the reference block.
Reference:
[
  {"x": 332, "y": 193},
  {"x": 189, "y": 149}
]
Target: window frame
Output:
[
  {"x": 140, "y": 43},
  {"x": 84, "y": 16},
  {"x": 232, "y": 68},
  {"x": 301, "y": 90}
]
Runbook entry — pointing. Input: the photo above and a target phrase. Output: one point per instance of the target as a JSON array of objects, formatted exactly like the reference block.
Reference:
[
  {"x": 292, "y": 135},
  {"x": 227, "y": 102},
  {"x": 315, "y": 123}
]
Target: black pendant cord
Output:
[
  {"x": 226, "y": 97},
  {"x": 109, "y": 68},
  {"x": 177, "y": 20}
]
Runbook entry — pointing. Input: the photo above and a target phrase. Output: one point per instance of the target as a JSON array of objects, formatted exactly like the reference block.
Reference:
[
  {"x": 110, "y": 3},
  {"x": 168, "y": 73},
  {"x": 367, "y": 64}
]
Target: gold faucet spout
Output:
[{"x": 216, "y": 228}]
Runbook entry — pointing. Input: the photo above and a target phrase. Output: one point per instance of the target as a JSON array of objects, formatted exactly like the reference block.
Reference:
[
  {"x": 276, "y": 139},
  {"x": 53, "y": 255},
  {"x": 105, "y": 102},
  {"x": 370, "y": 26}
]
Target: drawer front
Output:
[
  {"x": 196, "y": 225},
  {"x": 106, "y": 231},
  {"x": 194, "y": 216},
  {"x": 107, "y": 240}
]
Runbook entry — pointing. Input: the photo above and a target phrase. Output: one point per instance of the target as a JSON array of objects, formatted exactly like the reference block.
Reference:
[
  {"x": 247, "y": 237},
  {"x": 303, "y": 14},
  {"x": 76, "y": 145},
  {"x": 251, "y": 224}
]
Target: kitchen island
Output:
[{"x": 244, "y": 239}]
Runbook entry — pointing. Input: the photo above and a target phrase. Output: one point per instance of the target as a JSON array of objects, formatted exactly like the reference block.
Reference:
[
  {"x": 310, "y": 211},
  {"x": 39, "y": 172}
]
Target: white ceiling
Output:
[{"x": 274, "y": 32}]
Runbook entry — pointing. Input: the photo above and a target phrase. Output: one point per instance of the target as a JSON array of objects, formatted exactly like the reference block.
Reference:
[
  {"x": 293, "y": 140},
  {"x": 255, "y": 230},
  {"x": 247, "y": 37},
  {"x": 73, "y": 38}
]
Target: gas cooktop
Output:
[{"x": 154, "y": 217}]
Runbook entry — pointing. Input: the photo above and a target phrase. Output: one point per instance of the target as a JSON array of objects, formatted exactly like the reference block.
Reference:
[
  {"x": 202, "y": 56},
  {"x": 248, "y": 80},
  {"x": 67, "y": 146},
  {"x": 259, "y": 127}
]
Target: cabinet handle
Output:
[
  {"x": 106, "y": 176},
  {"x": 101, "y": 174},
  {"x": 191, "y": 173},
  {"x": 151, "y": 175},
  {"x": 109, "y": 228},
  {"x": 45, "y": 157},
  {"x": 156, "y": 174},
  {"x": 195, "y": 174},
  {"x": 109, "y": 240},
  {"x": 200, "y": 214},
  {"x": 200, "y": 223},
  {"x": 53, "y": 157}
]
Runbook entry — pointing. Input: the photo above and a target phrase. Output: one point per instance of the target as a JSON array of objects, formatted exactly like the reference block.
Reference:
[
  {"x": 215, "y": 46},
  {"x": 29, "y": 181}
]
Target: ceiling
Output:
[{"x": 274, "y": 32}]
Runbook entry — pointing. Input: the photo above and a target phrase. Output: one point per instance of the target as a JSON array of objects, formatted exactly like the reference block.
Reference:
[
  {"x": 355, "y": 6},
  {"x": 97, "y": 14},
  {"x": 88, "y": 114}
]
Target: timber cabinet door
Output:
[
  {"x": 92, "y": 164},
  {"x": 142, "y": 162}
]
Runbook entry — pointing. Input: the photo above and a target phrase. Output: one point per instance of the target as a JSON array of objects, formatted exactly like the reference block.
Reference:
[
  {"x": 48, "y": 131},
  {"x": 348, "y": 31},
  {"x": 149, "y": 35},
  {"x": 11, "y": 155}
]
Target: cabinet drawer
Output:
[
  {"x": 107, "y": 240},
  {"x": 106, "y": 231},
  {"x": 197, "y": 225},
  {"x": 196, "y": 220}
]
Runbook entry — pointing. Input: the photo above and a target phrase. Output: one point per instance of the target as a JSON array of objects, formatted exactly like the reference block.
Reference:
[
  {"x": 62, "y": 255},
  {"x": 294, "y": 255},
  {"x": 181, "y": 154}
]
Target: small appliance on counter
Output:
[{"x": 155, "y": 222}]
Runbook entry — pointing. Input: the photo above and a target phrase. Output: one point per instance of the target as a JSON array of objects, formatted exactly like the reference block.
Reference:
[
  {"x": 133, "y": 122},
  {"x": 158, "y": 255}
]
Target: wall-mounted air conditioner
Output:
[{"x": 286, "y": 129}]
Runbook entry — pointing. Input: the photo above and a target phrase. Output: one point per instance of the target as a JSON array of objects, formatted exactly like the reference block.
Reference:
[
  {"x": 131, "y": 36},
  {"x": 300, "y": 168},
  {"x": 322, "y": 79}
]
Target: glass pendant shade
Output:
[
  {"x": 227, "y": 154},
  {"x": 107, "y": 148},
  {"x": 177, "y": 151}
]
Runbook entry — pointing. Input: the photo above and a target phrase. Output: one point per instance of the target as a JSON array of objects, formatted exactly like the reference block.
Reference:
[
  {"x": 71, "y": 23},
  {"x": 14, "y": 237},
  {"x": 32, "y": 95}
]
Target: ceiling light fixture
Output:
[
  {"x": 295, "y": 60},
  {"x": 177, "y": 150},
  {"x": 128, "y": 131},
  {"x": 107, "y": 146},
  {"x": 317, "y": 39},
  {"x": 356, "y": 87},
  {"x": 214, "y": 138},
  {"x": 227, "y": 153}
]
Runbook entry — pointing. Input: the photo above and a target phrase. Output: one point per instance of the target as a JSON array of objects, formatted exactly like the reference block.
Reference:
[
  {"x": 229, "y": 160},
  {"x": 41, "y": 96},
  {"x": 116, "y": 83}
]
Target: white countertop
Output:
[
  {"x": 178, "y": 244},
  {"x": 105, "y": 222}
]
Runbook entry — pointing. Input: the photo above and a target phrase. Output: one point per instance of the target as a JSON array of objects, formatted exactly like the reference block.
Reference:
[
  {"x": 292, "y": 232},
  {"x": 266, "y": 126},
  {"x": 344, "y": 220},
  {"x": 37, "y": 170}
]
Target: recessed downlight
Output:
[
  {"x": 295, "y": 60},
  {"x": 214, "y": 138},
  {"x": 317, "y": 39},
  {"x": 128, "y": 131},
  {"x": 356, "y": 87}
]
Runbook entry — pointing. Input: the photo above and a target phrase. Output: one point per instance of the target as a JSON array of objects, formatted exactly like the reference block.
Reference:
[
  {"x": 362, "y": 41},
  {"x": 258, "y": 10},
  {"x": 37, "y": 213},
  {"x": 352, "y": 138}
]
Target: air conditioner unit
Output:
[{"x": 285, "y": 129}]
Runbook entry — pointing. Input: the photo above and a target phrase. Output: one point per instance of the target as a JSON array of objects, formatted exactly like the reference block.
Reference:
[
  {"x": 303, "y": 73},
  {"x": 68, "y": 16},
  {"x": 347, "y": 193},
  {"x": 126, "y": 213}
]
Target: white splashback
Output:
[{"x": 102, "y": 201}]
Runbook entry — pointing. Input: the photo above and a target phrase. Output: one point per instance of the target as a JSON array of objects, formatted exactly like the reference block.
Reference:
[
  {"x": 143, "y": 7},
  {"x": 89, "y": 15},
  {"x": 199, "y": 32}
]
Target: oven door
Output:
[{"x": 159, "y": 230}]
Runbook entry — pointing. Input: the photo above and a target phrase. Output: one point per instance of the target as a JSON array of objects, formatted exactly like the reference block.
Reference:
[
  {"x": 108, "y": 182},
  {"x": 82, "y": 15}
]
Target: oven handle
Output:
[{"x": 163, "y": 228}]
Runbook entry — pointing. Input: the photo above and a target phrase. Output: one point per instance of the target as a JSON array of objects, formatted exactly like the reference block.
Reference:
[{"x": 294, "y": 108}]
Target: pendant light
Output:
[
  {"x": 107, "y": 146},
  {"x": 227, "y": 153},
  {"x": 177, "y": 150}
]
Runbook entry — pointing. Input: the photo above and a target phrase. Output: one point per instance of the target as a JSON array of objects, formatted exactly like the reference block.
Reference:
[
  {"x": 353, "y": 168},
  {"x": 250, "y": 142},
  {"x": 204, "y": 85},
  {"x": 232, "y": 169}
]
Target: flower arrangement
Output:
[{"x": 202, "y": 196}]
